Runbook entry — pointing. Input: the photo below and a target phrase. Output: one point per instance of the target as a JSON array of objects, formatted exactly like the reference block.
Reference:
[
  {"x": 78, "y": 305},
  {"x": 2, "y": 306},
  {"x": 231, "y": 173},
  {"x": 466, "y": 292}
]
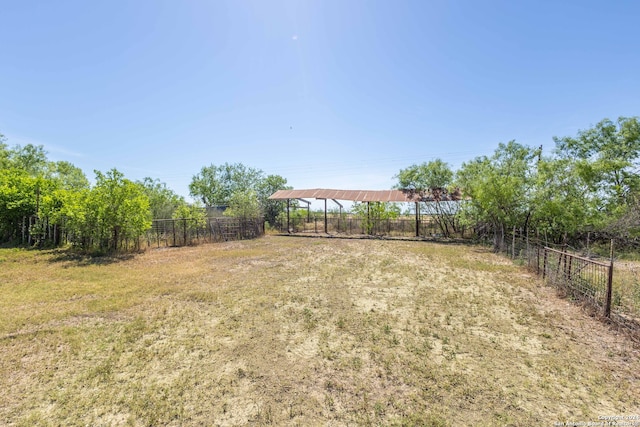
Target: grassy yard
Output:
[{"x": 301, "y": 331}]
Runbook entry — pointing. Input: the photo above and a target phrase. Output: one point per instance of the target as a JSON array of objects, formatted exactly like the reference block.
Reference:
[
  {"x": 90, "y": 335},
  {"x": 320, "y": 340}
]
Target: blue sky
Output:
[{"x": 333, "y": 94}]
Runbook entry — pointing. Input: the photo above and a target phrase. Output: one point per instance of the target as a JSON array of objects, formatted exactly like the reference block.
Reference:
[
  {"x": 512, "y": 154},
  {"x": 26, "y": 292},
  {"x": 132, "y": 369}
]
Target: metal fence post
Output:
[
  {"x": 607, "y": 303},
  {"x": 560, "y": 255},
  {"x": 417, "y": 220}
]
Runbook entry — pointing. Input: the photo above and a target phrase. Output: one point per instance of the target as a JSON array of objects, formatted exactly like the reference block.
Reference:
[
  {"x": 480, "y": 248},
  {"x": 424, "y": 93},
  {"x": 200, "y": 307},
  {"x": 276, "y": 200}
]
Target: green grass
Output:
[{"x": 296, "y": 331}]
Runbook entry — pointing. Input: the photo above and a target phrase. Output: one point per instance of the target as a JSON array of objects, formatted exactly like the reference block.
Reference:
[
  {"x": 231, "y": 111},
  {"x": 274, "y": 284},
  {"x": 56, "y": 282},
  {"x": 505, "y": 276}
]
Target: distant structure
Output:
[
  {"x": 365, "y": 196},
  {"x": 216, "y": 211}
]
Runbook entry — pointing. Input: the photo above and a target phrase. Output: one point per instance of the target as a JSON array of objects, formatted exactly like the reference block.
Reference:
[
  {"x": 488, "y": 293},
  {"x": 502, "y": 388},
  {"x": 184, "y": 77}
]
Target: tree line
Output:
[
  {"x": 42, "y": 201},
  {"x": 589, "y": 183}
]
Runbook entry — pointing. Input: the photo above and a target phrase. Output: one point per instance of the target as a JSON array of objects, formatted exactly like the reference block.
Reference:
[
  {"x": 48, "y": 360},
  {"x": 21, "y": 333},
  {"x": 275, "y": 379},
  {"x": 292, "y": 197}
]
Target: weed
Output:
[
  {"x": 395, "y": 340},
  {"x": 378, "y": 409},
  {"x": 356, "y": 363},
  {"x": 309, "y": 319},
  {"x": 241, "y": 373},
  {"x": 329, "y": 402}
]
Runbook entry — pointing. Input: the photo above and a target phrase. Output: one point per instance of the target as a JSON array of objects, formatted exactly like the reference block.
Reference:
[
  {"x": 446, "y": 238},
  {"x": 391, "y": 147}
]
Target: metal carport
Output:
[{"x": 350, "y": 195}]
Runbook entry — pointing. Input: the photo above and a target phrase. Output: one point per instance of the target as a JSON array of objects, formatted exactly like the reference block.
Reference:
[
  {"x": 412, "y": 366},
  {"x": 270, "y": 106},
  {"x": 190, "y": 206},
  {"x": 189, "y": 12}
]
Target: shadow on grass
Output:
[
  {"x": 440, "y": 240},
  {"x": 81, "y": 259}
]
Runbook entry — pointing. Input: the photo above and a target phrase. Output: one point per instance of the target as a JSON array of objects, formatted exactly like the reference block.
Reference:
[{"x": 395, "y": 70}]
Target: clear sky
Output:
[{"x": 333, "y": 93}]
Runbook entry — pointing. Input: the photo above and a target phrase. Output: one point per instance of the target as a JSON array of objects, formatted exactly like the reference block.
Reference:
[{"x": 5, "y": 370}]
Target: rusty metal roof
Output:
[{"x": 352, "y": 195}]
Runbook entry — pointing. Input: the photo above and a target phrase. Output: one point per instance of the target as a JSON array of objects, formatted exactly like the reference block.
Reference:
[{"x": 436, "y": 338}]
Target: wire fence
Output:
[
  {"x": 582, "y": 278},
  {"x": 609, "y": 286},
  {"x": 163, "y": 233},
  {"x": 186, "y": 231},
  {"x": 354, "y": 225}
]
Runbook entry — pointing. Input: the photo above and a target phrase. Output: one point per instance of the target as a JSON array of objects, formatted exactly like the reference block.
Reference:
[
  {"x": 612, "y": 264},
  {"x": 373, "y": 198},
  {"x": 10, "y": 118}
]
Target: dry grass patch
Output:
[
  {"x": 294, "y": 331},
  {"x": 626, "y": 286}
]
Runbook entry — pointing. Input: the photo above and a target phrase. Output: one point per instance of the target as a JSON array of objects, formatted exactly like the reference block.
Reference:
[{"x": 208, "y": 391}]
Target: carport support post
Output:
[
  {"x": 326, "y": 230},
  {"x": 339, "y": 215},
  {"x": 417, "y": 220},
  {"x": 288, "y": 220}
]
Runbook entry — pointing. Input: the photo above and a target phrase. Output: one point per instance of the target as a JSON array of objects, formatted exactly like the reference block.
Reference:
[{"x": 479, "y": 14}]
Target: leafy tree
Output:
[
  {"x": 500, "y": 188},
  {"x": 421, "y": 180},
  {"x": 18, "y": 201},
  {"x": 196, "y": 215},
  {"x": 215, "y": 185},
  {"x": 79, "y": 217},
  {"x": 119, "y": 207},
  {"x": 32, "y": 190},
  {"x": 607, "y": 158},
  {"x": 230, "y": 184},
  {"x": 272, "y": 208},
  {"x": 163, "y": 201},
  {"x": 30, "y": 158},
  {"x": 4, "y": 152},
  {"x": 626, "y": 227},
  {"x": 50, "y": 197},
  {"x": 563, "y": 203},
  {"x": 44, "y": 195},
  {"x": 194, "y": 211},
  {"x": 243, "y": 204},
  {"x": 69, "y": 176},
  {"x": 432, "y": 182},
  {"x": 372, "y": 213}
]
